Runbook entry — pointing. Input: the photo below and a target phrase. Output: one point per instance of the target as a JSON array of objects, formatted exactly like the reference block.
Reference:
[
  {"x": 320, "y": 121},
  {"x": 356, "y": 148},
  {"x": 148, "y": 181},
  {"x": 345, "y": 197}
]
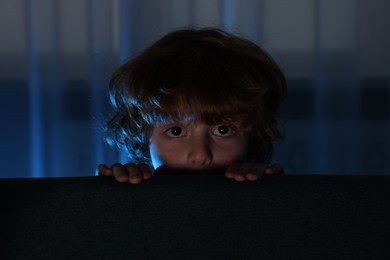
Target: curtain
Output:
[{"x": 56, "y": 58}]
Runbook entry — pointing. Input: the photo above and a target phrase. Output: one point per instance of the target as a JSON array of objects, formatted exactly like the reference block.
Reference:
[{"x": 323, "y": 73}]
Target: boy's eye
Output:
[
  {"x": 223, "y": 130},
  {"x": 175, "y": 132}
]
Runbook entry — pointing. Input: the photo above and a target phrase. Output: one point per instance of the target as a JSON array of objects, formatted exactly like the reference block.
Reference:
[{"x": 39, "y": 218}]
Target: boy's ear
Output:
[
  {"x": 270, "y": 132},
  {"x": 249, "y": 131}
]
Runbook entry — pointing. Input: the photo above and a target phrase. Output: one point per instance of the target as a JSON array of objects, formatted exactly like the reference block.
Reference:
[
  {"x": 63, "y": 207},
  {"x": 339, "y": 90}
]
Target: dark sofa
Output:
[{"x": 196, "y": 217}]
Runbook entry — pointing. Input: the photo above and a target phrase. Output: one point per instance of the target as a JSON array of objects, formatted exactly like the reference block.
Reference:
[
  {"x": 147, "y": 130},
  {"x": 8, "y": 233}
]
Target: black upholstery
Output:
[{"x": 197, "y": 217}]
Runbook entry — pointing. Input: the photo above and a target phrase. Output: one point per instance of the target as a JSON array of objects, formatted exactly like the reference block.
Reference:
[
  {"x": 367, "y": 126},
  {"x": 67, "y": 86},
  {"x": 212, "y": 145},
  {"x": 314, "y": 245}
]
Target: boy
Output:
[{"x": 196, "y": 100}]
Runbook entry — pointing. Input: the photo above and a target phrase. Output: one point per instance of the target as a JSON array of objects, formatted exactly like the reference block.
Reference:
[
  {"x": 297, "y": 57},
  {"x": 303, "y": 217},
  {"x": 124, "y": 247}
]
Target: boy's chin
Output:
[{"x": 163, "y": 170}]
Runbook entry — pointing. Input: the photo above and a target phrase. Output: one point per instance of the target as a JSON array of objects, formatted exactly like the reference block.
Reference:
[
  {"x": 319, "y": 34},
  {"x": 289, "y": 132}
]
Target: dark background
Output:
[{"x": 56, "y": 58}]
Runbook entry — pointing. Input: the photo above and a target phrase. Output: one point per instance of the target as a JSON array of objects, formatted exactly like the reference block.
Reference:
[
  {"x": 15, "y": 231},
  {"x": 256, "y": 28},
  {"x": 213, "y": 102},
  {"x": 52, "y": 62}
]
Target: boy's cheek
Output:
[
  {"x": 155, "y": 157},
  {"x": 169, "y": 156},
  {"x": 173, "y": 155}
]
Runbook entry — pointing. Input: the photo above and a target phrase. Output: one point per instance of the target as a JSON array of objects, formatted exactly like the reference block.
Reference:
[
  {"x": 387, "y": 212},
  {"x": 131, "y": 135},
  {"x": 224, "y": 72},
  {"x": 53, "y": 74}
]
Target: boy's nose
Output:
[{"x": 200, "y": 154}]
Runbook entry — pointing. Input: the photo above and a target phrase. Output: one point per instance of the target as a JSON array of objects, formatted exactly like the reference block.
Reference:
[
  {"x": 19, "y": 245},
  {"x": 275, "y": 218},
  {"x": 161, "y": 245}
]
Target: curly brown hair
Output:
[{"x": 206, "y": 74}]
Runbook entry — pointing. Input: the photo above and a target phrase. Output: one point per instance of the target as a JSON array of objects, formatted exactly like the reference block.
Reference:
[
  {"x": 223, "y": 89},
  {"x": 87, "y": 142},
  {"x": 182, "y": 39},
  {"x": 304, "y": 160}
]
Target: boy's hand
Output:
[
  {"x": 136, "y": 173},
  {"x": 251, "y": 171},
  {"x": 130, "y": 172}
]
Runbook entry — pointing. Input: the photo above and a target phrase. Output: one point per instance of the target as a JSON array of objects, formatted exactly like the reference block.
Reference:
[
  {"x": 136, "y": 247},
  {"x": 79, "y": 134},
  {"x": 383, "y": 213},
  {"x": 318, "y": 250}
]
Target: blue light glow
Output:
[{"x": 36, "y": 138}]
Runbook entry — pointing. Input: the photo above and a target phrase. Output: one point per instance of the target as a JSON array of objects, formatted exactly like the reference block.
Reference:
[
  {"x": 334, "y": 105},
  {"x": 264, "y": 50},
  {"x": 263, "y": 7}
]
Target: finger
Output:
[
  {"x": 231, "y": 170},
  {"x": 103, "y": 170},
  {"x": 274, "y": 169},
  {"x": 242, "y": 172},
  {"x": 255, "y": 172},
  {"x": 120, "y": 173},
  {"x": 135, "y": 175},
  {"x": 145, "y": 170}
]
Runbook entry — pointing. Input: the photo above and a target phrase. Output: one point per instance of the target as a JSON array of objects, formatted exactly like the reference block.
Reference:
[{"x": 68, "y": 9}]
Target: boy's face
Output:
[{"x": 197, "y": 146}]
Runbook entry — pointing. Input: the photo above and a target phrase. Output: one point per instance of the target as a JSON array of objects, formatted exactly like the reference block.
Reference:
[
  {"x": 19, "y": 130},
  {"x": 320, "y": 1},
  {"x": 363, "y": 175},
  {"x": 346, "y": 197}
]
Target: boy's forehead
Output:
[
  {"x": 172, "y": 105},
  {"x": 194, "y": 119}
]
